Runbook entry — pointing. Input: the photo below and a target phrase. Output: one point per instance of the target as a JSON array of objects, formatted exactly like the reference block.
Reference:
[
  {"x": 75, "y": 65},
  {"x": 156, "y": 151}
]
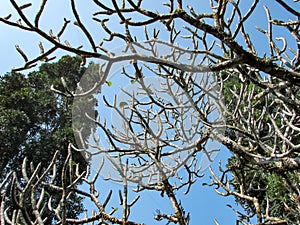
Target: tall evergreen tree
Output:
[{"x": 35, "y": 121}]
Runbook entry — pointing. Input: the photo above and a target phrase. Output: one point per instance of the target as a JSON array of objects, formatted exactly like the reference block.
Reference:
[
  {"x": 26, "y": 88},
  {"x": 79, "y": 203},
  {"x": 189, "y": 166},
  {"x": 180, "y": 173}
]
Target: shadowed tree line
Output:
[{"x": 36, "y": 122}]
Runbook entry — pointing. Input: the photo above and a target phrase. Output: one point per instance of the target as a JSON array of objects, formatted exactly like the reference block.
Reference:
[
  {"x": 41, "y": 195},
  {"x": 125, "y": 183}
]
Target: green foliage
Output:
[
  {"x": 109, "y": 83},
  {"x": 270, "y": 188},
  {"x": 280, "y": 197},
  {"x": 270, "y": 185},
  {"x": 248, "y": 180},
  {"x": 35, "y": 121}
]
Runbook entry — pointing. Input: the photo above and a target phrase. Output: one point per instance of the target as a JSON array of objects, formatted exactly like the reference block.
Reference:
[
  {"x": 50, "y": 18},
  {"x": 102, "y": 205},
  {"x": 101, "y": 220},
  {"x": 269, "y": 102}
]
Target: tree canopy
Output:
[
  {"x": 191, "y": 76},
  {"x": 36, "y": 122}
]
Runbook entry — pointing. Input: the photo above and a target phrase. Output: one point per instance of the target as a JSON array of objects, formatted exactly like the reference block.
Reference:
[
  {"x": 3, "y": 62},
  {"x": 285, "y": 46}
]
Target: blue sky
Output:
[{"x": 202, "y": 202}]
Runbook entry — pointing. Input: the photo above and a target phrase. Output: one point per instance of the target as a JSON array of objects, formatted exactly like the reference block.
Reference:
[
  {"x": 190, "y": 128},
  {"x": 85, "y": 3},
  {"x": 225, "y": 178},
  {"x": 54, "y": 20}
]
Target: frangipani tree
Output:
[{"x": 190, "y": 78}]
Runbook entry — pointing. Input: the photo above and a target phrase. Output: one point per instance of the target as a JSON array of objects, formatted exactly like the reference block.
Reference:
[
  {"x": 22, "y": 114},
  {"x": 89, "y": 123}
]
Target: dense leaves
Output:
[
  {"x": 272, "y": 184},
  {"x": 35, "y": 121}
]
